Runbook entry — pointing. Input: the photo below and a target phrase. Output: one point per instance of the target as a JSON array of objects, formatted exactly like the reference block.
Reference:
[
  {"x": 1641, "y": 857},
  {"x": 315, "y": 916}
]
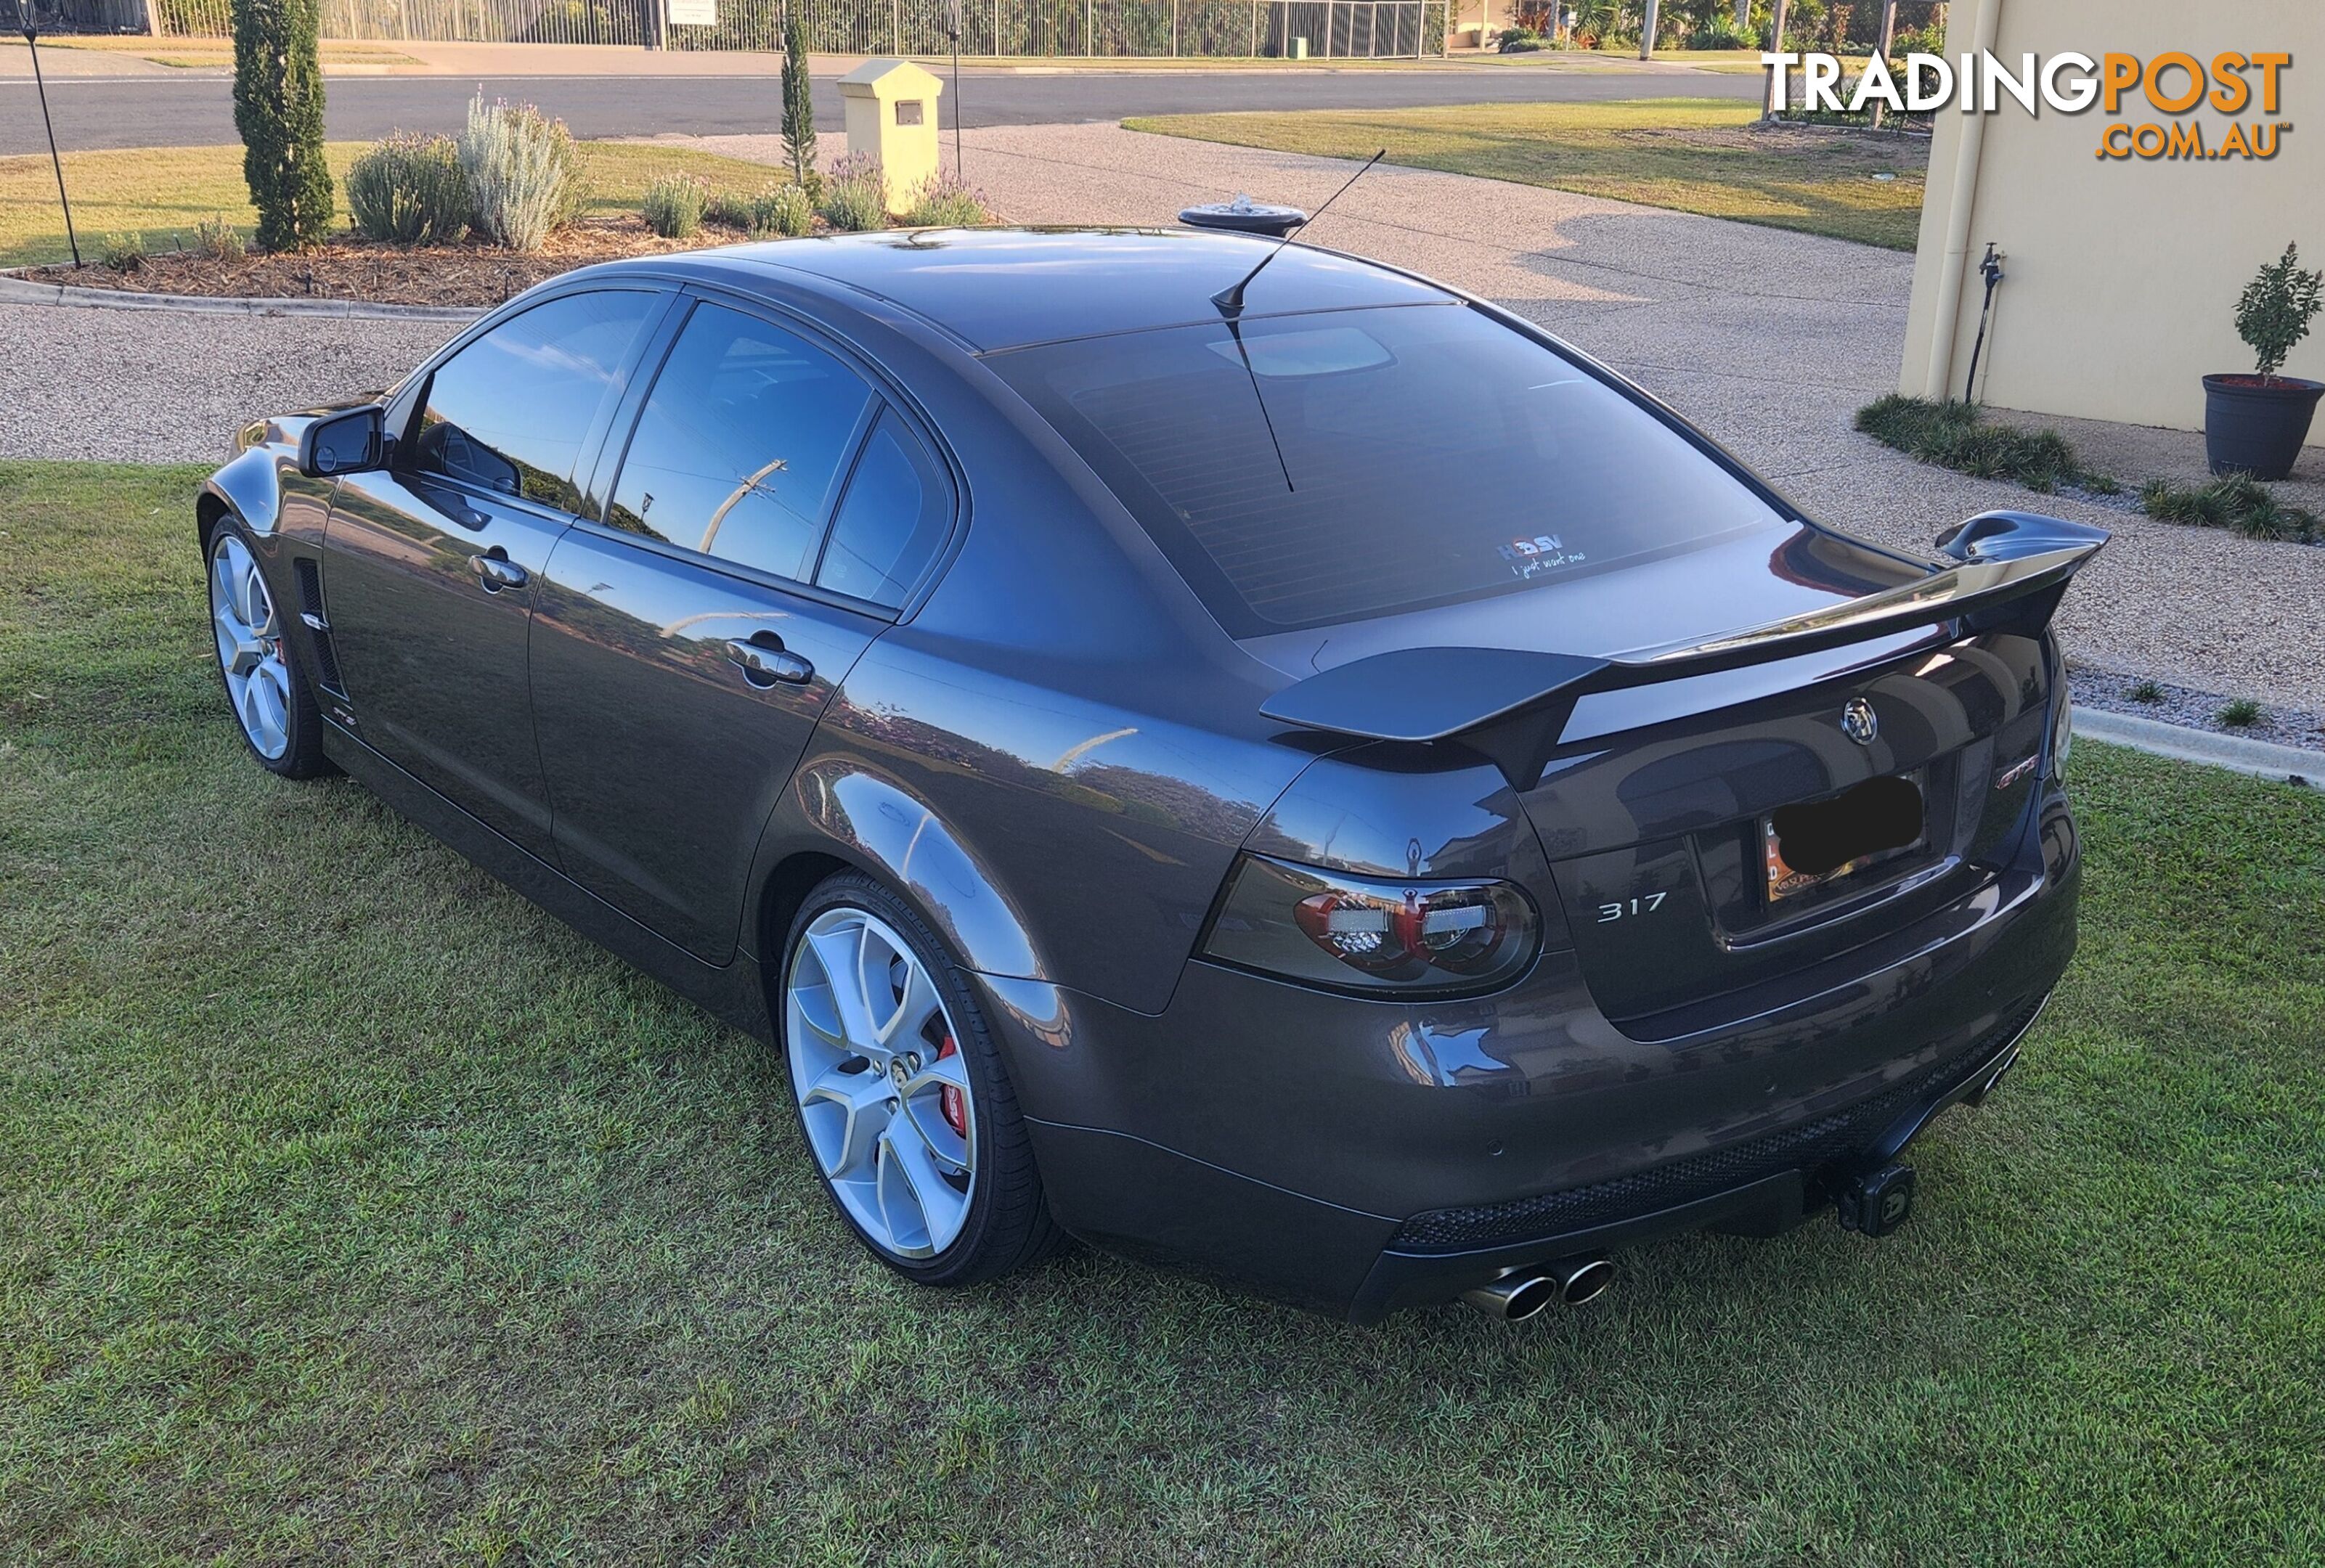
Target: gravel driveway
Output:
[
  {"x": 1770, "y": 340},
  {"x": 166, "y": 385}
]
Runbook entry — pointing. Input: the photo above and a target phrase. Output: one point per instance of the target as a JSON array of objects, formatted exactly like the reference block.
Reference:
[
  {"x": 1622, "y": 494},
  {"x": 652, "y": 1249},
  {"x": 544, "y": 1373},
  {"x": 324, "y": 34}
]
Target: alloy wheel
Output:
[
  {"x": 883, "y": 1092},
  {"x": 250, "y": 646}
]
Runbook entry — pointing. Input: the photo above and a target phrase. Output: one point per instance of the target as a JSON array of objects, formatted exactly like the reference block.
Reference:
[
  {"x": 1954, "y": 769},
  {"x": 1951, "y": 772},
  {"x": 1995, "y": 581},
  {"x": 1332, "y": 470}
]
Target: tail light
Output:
[
  {"x": 1407, "y": 937},
  {"x": 2063, "y": 723}
]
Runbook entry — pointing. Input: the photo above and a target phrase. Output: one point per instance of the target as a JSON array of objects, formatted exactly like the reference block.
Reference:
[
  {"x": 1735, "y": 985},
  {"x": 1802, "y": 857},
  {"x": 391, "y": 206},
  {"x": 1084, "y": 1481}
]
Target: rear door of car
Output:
[
  {"x": 431, "y": 566},
  {"x": 765, "y": 509}
]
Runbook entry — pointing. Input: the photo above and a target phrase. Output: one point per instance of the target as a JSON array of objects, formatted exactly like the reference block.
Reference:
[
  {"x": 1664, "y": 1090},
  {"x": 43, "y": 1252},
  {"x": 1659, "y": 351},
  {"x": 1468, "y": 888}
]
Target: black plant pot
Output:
[{"x": 2257, "y": 428}]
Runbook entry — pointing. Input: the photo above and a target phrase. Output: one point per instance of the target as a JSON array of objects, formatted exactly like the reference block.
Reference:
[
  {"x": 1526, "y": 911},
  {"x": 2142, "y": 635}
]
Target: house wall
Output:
[{"x": 2122, "y": 273}]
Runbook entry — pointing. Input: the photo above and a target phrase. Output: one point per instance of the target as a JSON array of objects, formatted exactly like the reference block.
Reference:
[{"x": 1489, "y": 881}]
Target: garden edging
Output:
[
  {"x": 19, "y": 290},
  {"x": 2262, "y": 759}
]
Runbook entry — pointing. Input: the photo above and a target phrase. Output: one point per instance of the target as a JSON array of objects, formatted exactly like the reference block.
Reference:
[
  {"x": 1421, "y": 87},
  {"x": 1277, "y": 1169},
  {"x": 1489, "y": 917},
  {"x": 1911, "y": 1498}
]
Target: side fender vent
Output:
[{"x": 319, "y": 630}]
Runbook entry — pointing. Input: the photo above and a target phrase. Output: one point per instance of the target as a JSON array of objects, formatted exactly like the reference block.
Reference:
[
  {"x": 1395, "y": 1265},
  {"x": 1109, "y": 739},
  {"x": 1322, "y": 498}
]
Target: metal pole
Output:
[
  {"x": 1174, "y": 29},
  {"x": 1888, "y": 37},
  {"x": 1776, "y": 41},
  {"x": 1090, "y": 50},
  {"x": 1647, "y": 30},
  {"x": 32, "y": 43}
]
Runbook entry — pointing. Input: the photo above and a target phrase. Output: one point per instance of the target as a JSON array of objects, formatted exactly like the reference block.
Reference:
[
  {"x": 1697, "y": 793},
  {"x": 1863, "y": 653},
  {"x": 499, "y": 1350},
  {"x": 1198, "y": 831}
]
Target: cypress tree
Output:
[
  {"x": 278, "y": 109},
  {"x": 799, "y": 104}
]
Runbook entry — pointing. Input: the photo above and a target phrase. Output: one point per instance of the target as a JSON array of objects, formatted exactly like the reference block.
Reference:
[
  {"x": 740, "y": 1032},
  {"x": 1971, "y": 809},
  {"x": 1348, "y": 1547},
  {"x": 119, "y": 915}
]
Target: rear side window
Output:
[
  {"x": 890, "y": 522},
  {"x": 740, "y": 444},
  {"x": 510, "y": 410},
  {"x": 1334, "y": 466}
]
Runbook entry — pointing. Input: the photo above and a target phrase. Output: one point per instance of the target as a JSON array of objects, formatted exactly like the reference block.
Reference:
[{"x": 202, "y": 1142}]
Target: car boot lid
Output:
[{"x": 2009, "y": 570}]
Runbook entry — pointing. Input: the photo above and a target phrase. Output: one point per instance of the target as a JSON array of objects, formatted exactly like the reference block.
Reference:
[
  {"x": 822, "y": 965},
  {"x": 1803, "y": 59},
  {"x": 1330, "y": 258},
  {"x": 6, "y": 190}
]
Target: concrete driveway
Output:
[{"x": 1770, "y": 340}]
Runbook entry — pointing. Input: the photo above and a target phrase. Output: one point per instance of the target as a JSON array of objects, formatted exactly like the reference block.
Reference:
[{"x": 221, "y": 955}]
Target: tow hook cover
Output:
[{"x": 1878, "y": 1202}]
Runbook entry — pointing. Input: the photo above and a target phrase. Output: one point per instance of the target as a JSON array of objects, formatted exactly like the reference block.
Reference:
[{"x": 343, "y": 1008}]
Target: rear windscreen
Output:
[{"x": 1310, "y": 469}]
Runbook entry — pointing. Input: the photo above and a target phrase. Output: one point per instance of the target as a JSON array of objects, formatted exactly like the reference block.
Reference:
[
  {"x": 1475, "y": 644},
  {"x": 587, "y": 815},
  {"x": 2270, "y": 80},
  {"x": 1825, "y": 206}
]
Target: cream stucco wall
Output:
[{"x": 2122, "y": 273}]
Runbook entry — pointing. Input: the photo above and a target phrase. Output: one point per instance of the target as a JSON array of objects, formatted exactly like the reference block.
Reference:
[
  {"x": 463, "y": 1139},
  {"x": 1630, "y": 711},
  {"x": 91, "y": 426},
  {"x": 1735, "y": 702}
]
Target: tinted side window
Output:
[
  {"x": 738, "y": 448},
  {"x": 510, "y": 411},
  {"x": 891, "y": 521}
]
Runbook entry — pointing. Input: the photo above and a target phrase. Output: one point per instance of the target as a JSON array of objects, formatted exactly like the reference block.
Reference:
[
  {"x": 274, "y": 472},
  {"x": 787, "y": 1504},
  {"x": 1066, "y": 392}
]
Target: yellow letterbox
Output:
[{"x": 891, "y": 115}]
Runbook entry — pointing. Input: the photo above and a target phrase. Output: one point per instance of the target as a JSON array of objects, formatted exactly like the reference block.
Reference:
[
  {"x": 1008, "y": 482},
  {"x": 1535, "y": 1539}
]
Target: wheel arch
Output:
[
  {"x": 840, "y": 814},
  {"x": 246, "y": 486}
]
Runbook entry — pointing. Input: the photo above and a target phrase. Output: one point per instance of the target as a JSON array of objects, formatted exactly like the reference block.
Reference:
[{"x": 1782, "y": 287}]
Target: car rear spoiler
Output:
[{"x": 1512, "y": 705}]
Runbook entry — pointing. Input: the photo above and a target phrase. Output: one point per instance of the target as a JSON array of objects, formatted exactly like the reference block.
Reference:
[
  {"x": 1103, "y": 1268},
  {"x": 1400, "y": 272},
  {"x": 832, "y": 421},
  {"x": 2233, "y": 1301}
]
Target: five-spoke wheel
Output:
[
  {"x": 903, "y": 1101},
  {"x": 250, "y": 646},
  {"x": 263, "y": 687}
]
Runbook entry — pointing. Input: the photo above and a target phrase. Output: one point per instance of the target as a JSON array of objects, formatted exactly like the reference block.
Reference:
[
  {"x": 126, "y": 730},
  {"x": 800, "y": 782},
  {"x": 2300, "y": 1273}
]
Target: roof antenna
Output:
[{"x": 1230, "y": 300}]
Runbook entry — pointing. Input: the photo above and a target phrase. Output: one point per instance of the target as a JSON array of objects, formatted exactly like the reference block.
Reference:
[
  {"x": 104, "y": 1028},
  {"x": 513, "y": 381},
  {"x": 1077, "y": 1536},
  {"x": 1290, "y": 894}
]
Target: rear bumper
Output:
[
  {"x": 1762, "y": 1188},
  {"x": 1359, "y": 1157}
]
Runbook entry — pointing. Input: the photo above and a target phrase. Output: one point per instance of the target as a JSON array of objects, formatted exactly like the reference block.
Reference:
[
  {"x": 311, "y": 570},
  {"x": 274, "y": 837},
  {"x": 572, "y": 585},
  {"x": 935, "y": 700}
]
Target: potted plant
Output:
[{"x": 2254, "y": 424}]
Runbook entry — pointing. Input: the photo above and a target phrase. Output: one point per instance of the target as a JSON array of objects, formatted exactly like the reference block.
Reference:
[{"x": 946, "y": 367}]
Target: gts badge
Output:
[{"x": 1644, "y": 904}]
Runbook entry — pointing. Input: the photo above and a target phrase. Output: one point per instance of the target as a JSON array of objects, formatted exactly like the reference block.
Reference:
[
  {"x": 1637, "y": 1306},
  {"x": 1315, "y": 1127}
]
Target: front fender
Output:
[{"x": 250, "y": 487}]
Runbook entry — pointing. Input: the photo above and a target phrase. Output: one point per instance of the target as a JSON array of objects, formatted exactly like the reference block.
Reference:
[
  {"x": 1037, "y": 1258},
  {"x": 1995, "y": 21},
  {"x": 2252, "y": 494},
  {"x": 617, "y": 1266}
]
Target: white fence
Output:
[{"x": 1331, "y": 29}]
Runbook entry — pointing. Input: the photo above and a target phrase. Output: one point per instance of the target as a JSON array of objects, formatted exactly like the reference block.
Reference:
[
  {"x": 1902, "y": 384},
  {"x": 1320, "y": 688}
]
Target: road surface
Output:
[{"x": 199, "y": 110}]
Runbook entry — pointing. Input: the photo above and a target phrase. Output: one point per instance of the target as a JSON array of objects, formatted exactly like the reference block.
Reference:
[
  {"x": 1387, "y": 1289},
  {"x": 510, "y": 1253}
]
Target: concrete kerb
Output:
[
  {"x": 21, "y": 290},
  {"x": 2262, "y": 759}
]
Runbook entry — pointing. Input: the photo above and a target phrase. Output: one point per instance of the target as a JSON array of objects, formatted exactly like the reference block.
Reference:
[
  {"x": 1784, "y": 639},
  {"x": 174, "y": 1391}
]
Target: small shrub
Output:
[
  {"x": 2146, "y": 691},
  {"x": 1930, "y": 38},
  {"x": 1721, "y": 32},
  {"x": 674, "y": 205},
  {"x": 122, "y": 253},
  {"x": 2240, "y": 713},
  {"x": 2274, "y": 314},
  {"x": 856, "y": 196},
  {"x": 945, "y": 201},
  {"x": 2238, "y": 503},
  {"x": 786, "y": 211},
  {"x": 218, "y": 240},
  {"x": 408, "y": 189},
  {"x": 728, "y": 210},
  {"x": 1518, "y": 40},
  {"x": 524, "y": 176},
  {"x": 1953, "y": 435}
]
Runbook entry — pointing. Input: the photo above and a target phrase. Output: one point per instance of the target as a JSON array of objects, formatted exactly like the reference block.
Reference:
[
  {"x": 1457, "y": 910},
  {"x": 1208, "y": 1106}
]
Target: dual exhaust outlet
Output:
[{"x": 1523, "y": 1293}]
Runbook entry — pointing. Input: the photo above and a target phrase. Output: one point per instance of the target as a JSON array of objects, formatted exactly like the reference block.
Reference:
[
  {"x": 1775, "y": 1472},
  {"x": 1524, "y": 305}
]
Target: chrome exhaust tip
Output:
[
  {"x": 1524, "y": 1293},
  {"x": 1514, "y": 1297},
  {"x": 1582, "y": 1279}
]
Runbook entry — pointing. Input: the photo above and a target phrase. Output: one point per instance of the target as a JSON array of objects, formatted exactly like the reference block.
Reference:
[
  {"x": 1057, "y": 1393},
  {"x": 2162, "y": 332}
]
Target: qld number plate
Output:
[{"x": 1805, "y": 846}]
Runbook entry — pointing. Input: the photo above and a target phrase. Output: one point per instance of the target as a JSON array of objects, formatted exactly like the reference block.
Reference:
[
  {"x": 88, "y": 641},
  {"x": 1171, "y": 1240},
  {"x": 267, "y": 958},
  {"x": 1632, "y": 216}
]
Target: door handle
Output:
[
  {"x": 494, "y": 571},
  {"x": 766, "y": 660}
]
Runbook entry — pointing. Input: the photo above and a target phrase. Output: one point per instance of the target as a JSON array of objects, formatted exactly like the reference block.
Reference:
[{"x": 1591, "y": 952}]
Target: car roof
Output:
[{"x": 994, "y": 288}]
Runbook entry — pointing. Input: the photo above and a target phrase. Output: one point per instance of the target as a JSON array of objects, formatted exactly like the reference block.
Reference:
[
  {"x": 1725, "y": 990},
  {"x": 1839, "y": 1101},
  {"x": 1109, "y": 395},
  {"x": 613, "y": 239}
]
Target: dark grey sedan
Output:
[{"x": 1329, "y": 787}]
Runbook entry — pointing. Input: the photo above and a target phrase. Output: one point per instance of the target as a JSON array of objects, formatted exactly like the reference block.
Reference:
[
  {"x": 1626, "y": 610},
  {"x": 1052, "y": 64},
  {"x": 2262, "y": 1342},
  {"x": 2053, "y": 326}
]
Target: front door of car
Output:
[
  {"x": 432, "y": 568},
  {"x": 768, "y": 517}
]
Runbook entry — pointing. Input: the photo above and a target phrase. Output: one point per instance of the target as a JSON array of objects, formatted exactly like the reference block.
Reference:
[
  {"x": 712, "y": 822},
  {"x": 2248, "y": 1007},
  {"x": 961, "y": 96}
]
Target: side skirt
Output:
[{"x": 733, "y": 992}]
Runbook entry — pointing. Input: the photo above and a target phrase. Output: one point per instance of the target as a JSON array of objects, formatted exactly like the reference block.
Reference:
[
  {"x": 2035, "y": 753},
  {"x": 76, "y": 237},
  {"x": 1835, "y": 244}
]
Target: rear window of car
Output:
[{"x": 1305, "y": 470}]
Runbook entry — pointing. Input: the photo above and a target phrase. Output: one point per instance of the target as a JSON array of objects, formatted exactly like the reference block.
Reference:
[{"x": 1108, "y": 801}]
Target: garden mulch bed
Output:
[{"x": 354, "y": 268}]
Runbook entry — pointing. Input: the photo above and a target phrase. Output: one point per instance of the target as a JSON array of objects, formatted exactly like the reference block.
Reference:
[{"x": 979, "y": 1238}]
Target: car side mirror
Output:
[{"x": 350, "y": 441}]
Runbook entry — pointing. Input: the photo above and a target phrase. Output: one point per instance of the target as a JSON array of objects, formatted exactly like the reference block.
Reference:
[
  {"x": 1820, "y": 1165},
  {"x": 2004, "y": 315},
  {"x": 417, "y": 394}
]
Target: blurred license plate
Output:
[{"x": 1808, "y": 845}]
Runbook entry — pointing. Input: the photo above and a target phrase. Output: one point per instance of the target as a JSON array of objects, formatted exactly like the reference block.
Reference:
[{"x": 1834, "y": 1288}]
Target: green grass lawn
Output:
[
  {"x": 351, "y": 1210},
  {"x": 167, "y": 190},
  {"x": 1690, "y": 155}
]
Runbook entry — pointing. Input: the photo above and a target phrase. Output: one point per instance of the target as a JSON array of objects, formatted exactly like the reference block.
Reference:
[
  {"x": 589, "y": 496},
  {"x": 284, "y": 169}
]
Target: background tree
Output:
[
  {"x": 799, "y": 104},
  {"x": 278, "y": 109}
]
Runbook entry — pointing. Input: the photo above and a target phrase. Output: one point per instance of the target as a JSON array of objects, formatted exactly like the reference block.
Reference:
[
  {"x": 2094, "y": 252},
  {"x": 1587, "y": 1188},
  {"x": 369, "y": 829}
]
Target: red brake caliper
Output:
[{"x": 954, "y": 1103}]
